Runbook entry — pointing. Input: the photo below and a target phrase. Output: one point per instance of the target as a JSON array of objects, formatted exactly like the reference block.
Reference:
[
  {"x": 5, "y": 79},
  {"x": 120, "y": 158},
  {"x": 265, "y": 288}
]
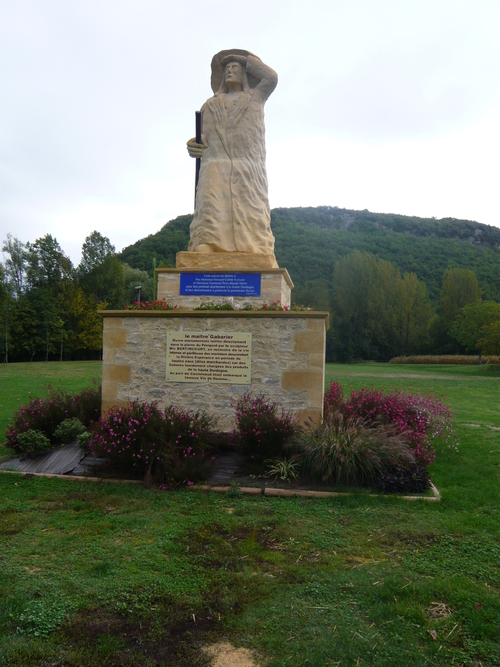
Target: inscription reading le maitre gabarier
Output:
[{"x": 209, "y": 357}]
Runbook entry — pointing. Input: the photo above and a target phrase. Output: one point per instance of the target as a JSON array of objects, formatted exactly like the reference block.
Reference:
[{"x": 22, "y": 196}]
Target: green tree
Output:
[
  {"x": 376, "y": 313},
  {"x": 459, "y": 288},
  {"x": 51, "y": 321},
  {"x": 14, "y": 265},
  {"x": 50, "y": 279},
  {"x": 414, "y": 315},
  {"x": 47, "y": 265},
  {"x": 365, "y": 306},
  {"x": 3, "y": 285},
  {"x": 86, "y": 330},
  {"x": 132, "y": 278},
  {"x": 489, "y": 343},
  {"x": 100, "y": 272},
  {"x": 5, "y": 299},
  {"x": 475, "y": 327},
  {"x": 95, "y": 250},
  {"x": 27, "y": 328},
  {"x": 315, "y": 293}
]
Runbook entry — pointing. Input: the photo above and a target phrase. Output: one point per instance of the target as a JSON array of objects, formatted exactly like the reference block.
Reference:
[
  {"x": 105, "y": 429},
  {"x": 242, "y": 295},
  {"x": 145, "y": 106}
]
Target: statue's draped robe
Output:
[{"x": 232, "y": 208}]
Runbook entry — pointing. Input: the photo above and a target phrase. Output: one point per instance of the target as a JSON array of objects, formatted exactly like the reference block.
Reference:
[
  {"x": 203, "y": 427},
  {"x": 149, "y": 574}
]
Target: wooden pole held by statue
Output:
[{"x": 198, "y": 160}]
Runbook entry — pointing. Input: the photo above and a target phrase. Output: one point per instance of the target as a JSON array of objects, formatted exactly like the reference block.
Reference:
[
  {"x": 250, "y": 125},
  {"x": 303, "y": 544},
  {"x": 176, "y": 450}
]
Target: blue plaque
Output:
[{"x": 220, "y": 284}]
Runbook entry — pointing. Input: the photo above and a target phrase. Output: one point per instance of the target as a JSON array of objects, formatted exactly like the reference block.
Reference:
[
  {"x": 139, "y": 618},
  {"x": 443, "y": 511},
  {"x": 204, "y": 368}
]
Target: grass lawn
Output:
[{"x": 117, "y": 575}]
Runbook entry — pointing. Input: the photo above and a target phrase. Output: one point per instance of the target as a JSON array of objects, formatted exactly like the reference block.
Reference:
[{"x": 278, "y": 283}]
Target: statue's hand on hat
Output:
[{"x": 196, "y": 150}]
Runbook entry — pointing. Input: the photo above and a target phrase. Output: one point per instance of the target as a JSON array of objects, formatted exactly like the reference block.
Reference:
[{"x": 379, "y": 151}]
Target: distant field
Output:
[
  {"x": 18, "y": 381},
  {"x": 118, "y": 575}
]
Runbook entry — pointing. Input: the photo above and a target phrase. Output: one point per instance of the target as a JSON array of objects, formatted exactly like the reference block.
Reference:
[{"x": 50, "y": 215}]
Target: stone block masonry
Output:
[{"x": 287, "y": 360}]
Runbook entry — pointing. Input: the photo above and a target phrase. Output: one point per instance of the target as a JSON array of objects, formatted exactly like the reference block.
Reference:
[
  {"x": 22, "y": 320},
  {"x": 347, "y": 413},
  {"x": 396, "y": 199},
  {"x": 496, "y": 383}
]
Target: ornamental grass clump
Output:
[
  {"x": 263, "y": 428},
  {"x": 346, "y": 450},
  {"x": 283, "y": 468},
  {"x": 45, "y": 414},
  {"x": 168, "y": 447}
]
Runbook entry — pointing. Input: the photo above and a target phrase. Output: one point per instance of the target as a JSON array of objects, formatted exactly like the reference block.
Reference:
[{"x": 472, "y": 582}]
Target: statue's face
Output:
[{"x": 233, "y": 73}]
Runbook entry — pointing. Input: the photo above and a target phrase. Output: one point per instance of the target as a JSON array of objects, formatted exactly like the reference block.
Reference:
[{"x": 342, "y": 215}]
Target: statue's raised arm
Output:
[
  {"x": 232, "y": 208},
  {"x": 267, "y": 77}
]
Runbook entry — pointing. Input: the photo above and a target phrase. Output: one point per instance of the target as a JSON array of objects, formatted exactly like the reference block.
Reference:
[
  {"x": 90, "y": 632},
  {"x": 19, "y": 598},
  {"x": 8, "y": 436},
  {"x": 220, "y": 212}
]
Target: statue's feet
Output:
[{"x": 204, "y": 247}]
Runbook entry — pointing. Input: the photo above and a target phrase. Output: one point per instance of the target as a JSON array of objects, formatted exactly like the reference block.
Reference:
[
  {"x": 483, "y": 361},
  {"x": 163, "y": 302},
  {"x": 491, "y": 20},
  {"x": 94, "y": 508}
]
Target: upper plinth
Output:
[{"x": 225, "y": 261}]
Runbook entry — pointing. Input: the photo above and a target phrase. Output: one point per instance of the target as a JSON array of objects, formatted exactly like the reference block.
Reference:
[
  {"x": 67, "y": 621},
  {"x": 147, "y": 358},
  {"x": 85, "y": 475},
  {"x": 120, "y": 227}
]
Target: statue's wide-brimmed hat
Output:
[{"x": 220, "y": 60}]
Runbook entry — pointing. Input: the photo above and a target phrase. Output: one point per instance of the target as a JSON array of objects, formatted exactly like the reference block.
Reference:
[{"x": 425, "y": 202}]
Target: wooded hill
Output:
[{"x": 309, "y": 241}]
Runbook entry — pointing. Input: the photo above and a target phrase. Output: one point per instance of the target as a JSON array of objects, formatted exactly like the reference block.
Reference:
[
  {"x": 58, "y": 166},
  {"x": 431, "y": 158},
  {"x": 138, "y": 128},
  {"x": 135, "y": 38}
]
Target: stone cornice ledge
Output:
[{"x": 179, "y": 312}]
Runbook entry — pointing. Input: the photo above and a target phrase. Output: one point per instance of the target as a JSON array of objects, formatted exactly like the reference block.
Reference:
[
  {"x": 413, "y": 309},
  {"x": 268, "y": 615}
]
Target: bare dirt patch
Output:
[
  {"x": 438, "y": 610},
  {"x": 177, "y": 640},
  {"x": 226, "y": 655}
]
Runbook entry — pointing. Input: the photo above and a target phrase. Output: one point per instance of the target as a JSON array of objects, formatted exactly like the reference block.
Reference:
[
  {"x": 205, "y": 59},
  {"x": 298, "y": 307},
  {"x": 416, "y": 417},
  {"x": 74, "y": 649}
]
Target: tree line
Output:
[
  {"x": 377, "y": 313},
  {"x": 48, "y": 307},
  {"x": 393, "y": 285}
]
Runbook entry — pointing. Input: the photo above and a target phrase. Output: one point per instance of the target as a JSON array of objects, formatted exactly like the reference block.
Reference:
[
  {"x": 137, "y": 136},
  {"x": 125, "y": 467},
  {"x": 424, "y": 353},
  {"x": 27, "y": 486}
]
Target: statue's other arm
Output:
[{"x": 268, "y": 79}]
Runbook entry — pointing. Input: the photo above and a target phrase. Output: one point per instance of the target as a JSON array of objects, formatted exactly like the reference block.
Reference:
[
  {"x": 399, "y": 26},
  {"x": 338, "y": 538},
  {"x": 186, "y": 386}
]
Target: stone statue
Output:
[{"x": 232, "y": 209}]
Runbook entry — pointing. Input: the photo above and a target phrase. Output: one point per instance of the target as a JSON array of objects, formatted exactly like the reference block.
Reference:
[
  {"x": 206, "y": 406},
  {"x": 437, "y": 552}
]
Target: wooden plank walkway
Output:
[
  {"x": 88, "y": 464},
  {"x": 225, "y": 467},
  {"x": 59, "y": 461},
  {"x": 74, "y": 460}
]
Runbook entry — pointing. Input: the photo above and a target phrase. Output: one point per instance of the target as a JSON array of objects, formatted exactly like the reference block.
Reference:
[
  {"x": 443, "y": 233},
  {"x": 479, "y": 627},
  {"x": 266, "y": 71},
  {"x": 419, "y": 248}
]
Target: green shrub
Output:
[
  {"x": 69, "y": 429},
  {"x": 345, "y": 450},
  {"x": 263, "y": 428},
  {"x": 33, "y": 443},
  {"x": 84, "y": 439}
]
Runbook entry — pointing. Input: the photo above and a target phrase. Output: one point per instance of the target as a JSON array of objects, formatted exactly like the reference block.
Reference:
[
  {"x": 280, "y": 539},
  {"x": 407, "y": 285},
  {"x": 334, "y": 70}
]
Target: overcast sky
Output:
[{"x": 386, "y": 105}]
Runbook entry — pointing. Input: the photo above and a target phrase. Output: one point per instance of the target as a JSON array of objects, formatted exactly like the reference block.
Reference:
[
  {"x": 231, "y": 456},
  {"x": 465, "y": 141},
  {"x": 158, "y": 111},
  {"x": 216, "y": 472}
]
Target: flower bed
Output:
[
  {"x": 150, "y": 305},
  {"x": 274, "y": 306},
  {"x": 377, "y": 439}
]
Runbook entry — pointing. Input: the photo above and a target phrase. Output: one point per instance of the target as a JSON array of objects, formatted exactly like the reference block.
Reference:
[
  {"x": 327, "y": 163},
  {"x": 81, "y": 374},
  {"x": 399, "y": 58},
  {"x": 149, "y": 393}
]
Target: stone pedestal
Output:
[
  {"x": 287, "y": 360},
  {"x": 282, "y": 353},
  {"x": 276, "y": 285}
]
